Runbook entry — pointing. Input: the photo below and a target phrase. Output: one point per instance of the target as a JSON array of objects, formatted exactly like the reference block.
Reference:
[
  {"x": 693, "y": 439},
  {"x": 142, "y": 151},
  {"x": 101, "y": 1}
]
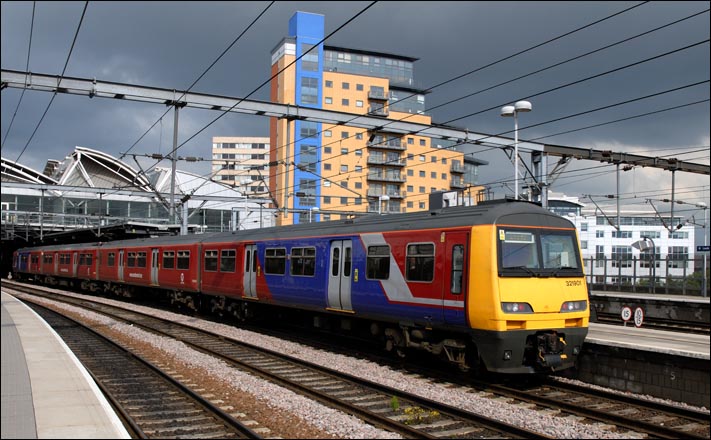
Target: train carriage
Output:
[{"x": 498, "y": 285}]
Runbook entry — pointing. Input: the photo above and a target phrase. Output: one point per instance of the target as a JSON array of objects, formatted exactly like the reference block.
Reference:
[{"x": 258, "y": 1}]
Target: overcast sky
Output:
[{"x": 169, "y": 44}]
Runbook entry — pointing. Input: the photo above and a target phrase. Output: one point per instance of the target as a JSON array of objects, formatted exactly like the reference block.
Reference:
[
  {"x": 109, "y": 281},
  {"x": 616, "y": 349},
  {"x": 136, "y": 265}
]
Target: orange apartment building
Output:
[{"x": 322, "y": 172}]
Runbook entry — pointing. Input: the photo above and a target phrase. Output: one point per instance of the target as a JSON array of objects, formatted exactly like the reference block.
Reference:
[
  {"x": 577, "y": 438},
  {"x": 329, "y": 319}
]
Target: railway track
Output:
[
  {"x": 387, "y": 408},
  {"x": 625, "y": 413},
  {"x": 150, "y": 402}
]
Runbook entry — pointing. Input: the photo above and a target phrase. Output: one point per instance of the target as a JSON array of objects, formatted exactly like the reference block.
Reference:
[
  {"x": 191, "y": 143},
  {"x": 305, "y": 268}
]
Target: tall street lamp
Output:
[
  {"x": 704, "y": 284},
  {"x": 643, "y": 245},
  {"x": 513, "y": 110},
  {"x": 381, "y": 199}
]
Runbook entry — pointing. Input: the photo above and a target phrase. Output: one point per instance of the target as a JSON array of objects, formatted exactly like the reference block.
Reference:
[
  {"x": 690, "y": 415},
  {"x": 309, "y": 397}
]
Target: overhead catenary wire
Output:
[
  {"x": 27, "y": 69},
  {"x": 66, "y": 63},
  {"x": 490, "y": 64},
  {"x": 219, "y": 57}
]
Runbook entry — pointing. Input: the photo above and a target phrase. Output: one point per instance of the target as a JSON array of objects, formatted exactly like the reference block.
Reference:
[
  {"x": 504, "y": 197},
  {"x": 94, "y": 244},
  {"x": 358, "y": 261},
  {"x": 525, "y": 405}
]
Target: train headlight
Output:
[
  {"x": 573, "y": 306},
  {"x": 512, "y": 307}
]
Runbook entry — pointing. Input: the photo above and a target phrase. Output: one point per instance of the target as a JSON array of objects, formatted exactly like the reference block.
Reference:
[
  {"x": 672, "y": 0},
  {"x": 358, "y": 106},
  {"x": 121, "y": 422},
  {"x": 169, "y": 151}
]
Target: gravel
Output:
[{"x": 333, "y": 422}]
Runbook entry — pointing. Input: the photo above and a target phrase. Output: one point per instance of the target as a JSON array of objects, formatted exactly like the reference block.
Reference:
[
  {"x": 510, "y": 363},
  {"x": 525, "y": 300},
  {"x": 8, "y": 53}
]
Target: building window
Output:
[
  {"x": 423, "y": 142},
  {"x": 344, "y": 151},
  {"x": 433, "y": 159},
  {"x": 345, "y": 86},
  {"x": 583, "y": 227},
  {"x": 327, "y": 167},
  {"x": 345, "y": 102},
  {"x": 359, "y": 87},
  {"x": 359, "y": 103},
  {"x": 621, "y": 234},
  {"x": 621, "y": 256},
  {"x": 422, "y": 173},
  {"x": 327, "y": 133},
  {"x": 329, "y": 84},
  {"x": 309, "y": 90},
  {"x": 309, "y": 61},
  {"x": 359, "y": 136},
  {"x": 410, "y": 141},
  {"x": 327, "y": 150},
  {"x": 599, "y": 234},
  {"x": 677, "y": 256},
  {"x": 328, "y": 100},
  {"x": 344, "y": 168}
]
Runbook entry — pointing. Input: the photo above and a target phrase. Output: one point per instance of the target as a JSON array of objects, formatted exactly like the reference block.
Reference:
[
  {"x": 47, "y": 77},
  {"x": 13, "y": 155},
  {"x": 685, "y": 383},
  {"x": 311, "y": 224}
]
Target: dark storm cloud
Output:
[{"x": 168, "y": 44}]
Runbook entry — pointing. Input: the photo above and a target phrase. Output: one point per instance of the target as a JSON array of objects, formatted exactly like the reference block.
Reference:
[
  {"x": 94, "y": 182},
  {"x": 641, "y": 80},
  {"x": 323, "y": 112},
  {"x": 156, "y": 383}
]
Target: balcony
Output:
[
  {"x": 378, "y": 110},
  {"x": 386, "y": 178},
  {"x": 393, "y": 162},
  {"x": 378, "y": 94},
  {"x": 457, "y": 184},
  {"x": 387, "y": 145},
  {"x": 456, "y": 168},
  {"x": 393, "y": 194}
]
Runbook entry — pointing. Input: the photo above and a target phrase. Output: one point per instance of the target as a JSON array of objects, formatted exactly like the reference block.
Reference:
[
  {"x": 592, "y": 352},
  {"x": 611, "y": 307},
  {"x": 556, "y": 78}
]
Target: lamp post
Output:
[
  {"x": 704, "y": 282},
  {"x": 642, "y": 245},
  {"x": 311, "y": 210},
  {"x": 513, "y": 110},
  {"x": 382, "y": 198}
]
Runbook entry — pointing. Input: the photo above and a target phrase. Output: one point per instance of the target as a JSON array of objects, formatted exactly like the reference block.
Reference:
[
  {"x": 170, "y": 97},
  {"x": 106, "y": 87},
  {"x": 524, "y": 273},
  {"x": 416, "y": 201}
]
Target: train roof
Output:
[{"x": 498, "y": 212}]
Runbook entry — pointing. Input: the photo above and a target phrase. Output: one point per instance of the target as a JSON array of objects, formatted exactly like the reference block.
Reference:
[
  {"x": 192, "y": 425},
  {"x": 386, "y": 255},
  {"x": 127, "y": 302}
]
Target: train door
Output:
[
  {"x": 339, "y": 275},
  {"x": 250, "y": 271},
  {"x": 56, "y": 263},
  {"x": 455, "y": 271},
  {"x": 120, "y": 266},
  {"x": 75, "y": 264},
  {"x": 154, "y": 266}
]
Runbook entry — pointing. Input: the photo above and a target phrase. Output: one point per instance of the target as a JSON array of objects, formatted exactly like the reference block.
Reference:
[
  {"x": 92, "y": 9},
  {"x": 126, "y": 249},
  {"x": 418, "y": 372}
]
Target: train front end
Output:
[{"x": 528, "y": 302}]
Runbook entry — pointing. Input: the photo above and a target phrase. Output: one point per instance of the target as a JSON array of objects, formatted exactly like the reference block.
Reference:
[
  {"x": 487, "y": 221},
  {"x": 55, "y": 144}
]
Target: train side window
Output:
[
  {"x": 227, "y": 260},
  {"x": 457, "y": 269},
  {"x": 183, "y": 259},
  {"x": 303, "y": 261},
  {"x": 347, "y": 262},
  {"x": 377, "y": 266},
  {"x": 131, "y": 259},
  {"x": 82, "y": 259},
  {"x": 88, "y": 259},
  {"x": 420, "y": 262},
  {"x": 275, "y": 261},
  {"x": 336, "y": 261},
  {"x": 111, "y": 259},
  {"x": 247, "y": 259},
  {"x": 141, "y": 259},
  {"x": 169, "y": 260},
  {"x": 211, "y": 261}
]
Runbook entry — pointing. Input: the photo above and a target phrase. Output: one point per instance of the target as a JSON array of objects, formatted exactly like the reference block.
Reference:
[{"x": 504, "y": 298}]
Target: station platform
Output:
[
  {"x": 46, "y": 391},
  {"x": 659, "y": 363}
]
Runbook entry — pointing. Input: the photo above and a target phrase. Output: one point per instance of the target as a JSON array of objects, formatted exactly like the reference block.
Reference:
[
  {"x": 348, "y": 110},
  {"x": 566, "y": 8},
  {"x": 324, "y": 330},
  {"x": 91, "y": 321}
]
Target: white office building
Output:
[{"x": 608, "y": 252}]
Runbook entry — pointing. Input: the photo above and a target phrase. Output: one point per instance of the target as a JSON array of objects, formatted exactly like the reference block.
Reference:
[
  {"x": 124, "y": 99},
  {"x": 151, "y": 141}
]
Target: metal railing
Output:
[{"x": 671, "y": 275}]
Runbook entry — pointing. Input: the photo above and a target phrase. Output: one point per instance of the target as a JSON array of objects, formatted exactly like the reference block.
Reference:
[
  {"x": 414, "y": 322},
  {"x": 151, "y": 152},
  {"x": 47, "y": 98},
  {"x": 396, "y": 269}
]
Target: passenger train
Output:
[{"x": 497, "y": 286}]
